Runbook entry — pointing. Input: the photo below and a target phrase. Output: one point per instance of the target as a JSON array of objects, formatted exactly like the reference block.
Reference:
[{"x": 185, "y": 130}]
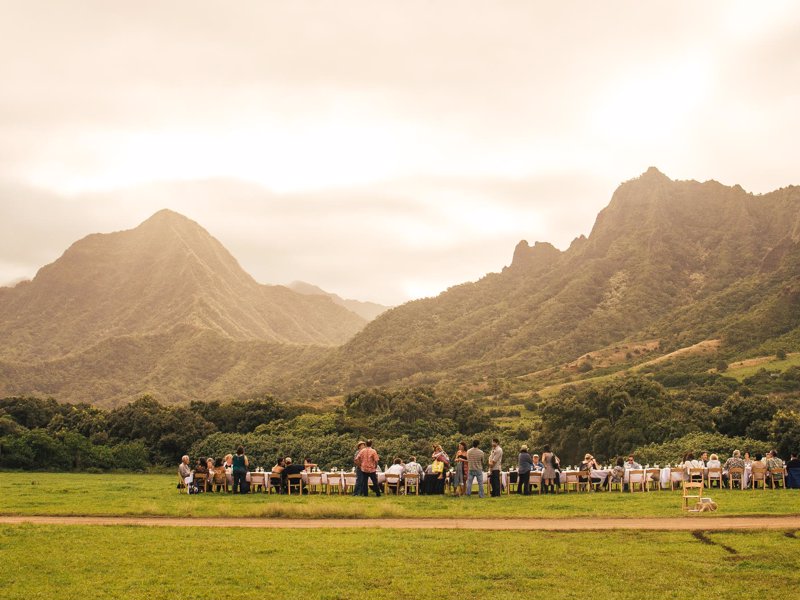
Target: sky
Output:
[{"x": 381, "y": 150}]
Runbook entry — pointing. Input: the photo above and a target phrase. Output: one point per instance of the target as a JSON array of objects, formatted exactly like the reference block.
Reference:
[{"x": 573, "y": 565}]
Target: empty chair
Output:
[
  {"x": 570, "y": 480},
  {"x": 696, "y": 474},
  {"x": 333, "y": 483},
  {"x": 314, "y": 483},
  {"x": 636, "y": 477},
  {"x": 350, "y": 482},
  {"x": 258, "y": 482},
  {"x": 692, "y": 490},
  {"x": 676, "y": 476}
]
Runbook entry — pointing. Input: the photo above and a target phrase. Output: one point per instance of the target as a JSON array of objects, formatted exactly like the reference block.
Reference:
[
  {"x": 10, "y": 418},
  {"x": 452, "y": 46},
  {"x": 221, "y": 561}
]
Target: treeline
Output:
[
  {"x": 659, "y": 416},
  {"x": 641, "y": 414}
]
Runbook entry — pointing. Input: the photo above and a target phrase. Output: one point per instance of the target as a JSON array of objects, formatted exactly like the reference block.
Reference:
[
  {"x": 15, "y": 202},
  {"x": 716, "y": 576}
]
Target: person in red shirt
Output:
[{"x": 367, "y": 461}]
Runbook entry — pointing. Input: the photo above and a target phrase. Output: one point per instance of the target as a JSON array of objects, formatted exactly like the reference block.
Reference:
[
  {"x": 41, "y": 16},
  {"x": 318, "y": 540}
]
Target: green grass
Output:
[
  {"x": 153, "y": 563},
  {"x": 155, "y": 495},
  {"x": 792, "y": 360}
]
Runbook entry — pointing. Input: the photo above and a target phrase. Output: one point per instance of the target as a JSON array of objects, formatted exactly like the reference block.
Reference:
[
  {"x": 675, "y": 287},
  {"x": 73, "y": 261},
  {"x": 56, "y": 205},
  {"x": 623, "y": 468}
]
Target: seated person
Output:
[
  {"x": 184, "y": 470},
  {"x": 292, "y": 469},
  {"x": 747, "y": 460},
  {"x": 713, "y": 462},
  {"x": 280, "y": 466},
  {"x": 412, "y": 466},
  {"x": 537, "y": 463},
  {"x": 734, "y": 462},
  {"x": 308, "y": 465},
  {"x": 703, "y": 459},
  {"x": 617, "y": 474},
  {"x": 397, "y": 468},
  {"x": 220, "y": 477},
  {"x": 632, "y": 464},
  {"x": 773, "y": 462},
  {"x": 588, "y": 464}
]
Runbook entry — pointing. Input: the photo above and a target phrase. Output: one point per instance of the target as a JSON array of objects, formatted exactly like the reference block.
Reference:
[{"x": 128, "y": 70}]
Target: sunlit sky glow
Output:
[{"x": 380, "y": 150}]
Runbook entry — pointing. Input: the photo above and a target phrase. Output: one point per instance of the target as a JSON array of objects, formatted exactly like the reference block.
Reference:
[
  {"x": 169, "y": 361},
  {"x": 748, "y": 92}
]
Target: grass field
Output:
[
  {"x": 155, "y": 495},
  {"x": 747, "y": 369},
  {"x": 154, "y": 563}
]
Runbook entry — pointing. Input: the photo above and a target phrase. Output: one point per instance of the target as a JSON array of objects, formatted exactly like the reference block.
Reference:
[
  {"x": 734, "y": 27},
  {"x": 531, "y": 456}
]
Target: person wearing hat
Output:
[
  {"x": 359, "y": 475},
  {"x": 524, "y": 466}
]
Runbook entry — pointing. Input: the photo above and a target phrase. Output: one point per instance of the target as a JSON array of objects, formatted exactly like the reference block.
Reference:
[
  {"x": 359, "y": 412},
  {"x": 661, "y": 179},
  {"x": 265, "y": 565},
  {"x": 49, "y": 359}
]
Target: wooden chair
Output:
[
  {"x": 295, "y": 481},
  {"x": 334, "y": 482},
  {"x": 620, "y": 484},
  {"x": 777, "y": 476},
  {"x": 411, "y": 480},
  {"x": 512, "y": 481},
  {"x": 570, "y": 479},
  {"x": 274, "y": 483},
  {"x": 219, "y": 481},
  {"x": 314, "y": 483},
  {"x": 696, "y": 474},
  {"x": 676, "y": 475},
  {"x": 653, "y": 479},
  {"x": 688, "y": 488},
  {"x": 258, "y": 482},
  {"x": 584, "y": 480},
  {"x": 636, "y": 477},
  {"x": 350, "y": 482},
  {"x": 181, "y": 484},
  {"x": 392, "y": 481},
  {"x": 758, "y": 475},
  {"x": 714, "y": 474},
  {"x": 736, "y": 475},
  {"x": 536, "y": 480},
  {"x": 201, "y": 479}
]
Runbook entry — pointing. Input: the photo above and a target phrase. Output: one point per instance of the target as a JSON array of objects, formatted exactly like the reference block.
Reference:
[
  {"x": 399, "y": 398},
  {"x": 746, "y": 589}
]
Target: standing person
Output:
[
  {"x": 367, "y": 461},
  {"x": 240, "y": 464},
  {"x": 495, "y": 462},
  {"x": 439, "y": 466},
  {"x": 359, "y": 474},
  {"x": 524, "y": 467},
  {"x": 475, "y": 467},
  {"x": 550, "y": 462},
  {"x": 461, "y": 471}
]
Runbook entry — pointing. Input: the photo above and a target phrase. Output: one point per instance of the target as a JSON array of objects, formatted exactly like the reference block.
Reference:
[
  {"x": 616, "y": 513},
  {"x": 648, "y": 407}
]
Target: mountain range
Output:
[{"x": 165, "y": 309}]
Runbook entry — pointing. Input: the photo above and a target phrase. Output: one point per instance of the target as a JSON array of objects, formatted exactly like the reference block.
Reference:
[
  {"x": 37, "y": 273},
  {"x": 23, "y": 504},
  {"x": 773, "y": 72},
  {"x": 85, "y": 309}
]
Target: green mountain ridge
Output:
[{"x": 677, "y": 262}]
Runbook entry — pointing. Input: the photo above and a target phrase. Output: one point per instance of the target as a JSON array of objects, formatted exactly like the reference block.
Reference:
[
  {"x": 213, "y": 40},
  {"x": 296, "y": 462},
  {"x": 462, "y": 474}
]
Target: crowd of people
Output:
[{"x": 468, "y": 466}]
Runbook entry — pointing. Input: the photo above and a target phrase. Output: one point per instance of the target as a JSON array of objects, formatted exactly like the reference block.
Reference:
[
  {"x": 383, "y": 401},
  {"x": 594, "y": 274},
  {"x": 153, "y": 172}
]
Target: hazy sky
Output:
[{"x": 381, "y": 150}]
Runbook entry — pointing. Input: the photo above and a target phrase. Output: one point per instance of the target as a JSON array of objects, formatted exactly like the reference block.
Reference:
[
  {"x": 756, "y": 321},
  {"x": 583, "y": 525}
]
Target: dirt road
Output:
[{"x": 686, "y": 523}]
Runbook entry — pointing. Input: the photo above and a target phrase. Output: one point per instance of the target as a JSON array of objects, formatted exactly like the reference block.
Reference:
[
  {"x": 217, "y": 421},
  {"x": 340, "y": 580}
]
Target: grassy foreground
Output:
[
  {"x": 155, "y": 495},
  {"x": 153, "y": 563}
]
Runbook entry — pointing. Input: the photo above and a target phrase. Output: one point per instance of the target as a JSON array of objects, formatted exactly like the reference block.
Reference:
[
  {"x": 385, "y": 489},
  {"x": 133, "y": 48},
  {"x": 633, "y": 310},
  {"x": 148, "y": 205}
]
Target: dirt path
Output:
[{"x": 686, "y": 523}]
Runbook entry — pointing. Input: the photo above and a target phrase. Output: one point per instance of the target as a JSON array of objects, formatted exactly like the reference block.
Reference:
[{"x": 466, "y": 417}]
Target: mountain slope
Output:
[
  {"x": 366, "y": 310},
  {"x": 678, "y": 260},
  {"x": 144, "y": 281}
]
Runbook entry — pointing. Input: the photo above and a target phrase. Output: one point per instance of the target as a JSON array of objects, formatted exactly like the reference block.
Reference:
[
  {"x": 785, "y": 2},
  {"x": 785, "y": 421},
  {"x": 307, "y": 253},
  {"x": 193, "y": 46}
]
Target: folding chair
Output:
[
  {"x": 258, "y": 482},
  {"x": 350, "y": 482},
  {"x": 570, "y": 479},
  {"x": 411, "y": 480},
  {"x": 653, "y": 479},
  {"x": 333, "y": 481},
  {"x": 714, "y": 474},
  {"x": 736, "y": 475},
  {"x": 314, "y": 483},
  {"x": 392, "y": 481},
  {"x": 274, "y": 483},
  {"x": 676, "y": 475},
  {"x": 636, "y": 477},
  {"x": 536, "y": 480},
  {"x": 696, "y": 474},
  {"x": 688, "y": 488},
  {"x": 758, "y": 475},
  {"x": 181, "y": 484},
  {"x": 777, "y": 476},
  {"x": 201, "y": 478},
  {"x": 294, "y": 481}
]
